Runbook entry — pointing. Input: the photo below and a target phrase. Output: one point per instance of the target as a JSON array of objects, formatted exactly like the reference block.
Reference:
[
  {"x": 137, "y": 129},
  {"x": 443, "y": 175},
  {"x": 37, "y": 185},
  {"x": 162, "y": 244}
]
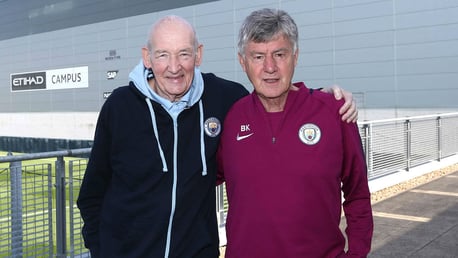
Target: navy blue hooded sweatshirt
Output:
[{"x": 149, "y": 187}]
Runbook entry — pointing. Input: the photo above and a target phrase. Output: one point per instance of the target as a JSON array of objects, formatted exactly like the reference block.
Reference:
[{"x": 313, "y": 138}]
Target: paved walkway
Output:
[{"x": 420, "y": 222}]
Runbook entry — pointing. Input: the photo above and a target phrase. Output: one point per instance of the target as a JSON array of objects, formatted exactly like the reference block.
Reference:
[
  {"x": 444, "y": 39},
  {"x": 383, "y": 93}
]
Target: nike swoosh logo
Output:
[{"x": 239, "y": 138}]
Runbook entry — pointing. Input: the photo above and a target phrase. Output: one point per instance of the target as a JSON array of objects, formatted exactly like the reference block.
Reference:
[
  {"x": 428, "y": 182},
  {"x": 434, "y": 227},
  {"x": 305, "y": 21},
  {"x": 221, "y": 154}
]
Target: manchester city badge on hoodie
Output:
[
  {"x": 212, "y": 126},
  {"x": 310, "y": 134}
]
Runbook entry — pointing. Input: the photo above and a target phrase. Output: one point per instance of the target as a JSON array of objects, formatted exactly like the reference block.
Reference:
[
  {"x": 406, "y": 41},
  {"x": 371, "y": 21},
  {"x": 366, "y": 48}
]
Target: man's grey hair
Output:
[{"x": 264, "y": 25}]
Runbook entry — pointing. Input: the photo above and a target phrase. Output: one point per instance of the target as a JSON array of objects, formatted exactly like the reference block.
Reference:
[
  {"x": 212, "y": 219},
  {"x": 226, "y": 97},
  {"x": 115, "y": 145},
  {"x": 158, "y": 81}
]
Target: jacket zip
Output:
[{"x": 174, "y": 188}]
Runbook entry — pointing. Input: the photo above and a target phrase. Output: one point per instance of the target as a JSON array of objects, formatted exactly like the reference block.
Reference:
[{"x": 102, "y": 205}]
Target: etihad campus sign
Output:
[{"x": 67, "y": 78}]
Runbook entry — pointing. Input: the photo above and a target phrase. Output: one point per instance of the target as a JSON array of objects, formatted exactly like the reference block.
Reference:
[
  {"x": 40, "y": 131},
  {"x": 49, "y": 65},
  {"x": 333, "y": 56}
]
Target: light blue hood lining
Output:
[{"x": 139, "y": 76}]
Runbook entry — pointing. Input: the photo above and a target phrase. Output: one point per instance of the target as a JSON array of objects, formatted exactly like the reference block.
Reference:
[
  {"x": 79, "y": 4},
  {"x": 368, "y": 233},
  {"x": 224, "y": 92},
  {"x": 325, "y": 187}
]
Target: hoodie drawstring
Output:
[
  {"x": 153, "y": 119},
  {"x": 202, "y": 142}
]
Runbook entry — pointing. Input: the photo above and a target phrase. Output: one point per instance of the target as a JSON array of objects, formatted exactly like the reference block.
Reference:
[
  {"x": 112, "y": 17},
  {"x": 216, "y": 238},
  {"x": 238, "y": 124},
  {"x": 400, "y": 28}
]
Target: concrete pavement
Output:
[{"x": 420, "y": 222}]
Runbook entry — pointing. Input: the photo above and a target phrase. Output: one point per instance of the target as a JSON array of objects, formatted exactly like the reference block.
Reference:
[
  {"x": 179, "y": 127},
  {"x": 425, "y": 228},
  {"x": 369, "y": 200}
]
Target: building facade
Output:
[{"x": 62, "y": 58}]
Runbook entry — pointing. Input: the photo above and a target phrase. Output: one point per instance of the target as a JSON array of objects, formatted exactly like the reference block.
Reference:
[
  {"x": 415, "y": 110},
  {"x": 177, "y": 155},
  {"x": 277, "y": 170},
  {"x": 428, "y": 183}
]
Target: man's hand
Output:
[{"x": 348, "y": 109}]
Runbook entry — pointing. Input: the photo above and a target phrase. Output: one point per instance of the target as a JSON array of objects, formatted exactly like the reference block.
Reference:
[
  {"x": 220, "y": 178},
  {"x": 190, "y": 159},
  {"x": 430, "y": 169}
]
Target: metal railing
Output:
[
  {"x": 38, "y": 192},
  {"x": 392, "y": 145},
  {"x": 38, "y": 214}
]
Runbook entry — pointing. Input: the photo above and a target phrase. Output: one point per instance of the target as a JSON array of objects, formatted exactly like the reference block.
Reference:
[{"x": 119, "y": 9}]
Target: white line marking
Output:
[
  {"x": 435, "y": 192},
  {"x": 399, "y": 216}
]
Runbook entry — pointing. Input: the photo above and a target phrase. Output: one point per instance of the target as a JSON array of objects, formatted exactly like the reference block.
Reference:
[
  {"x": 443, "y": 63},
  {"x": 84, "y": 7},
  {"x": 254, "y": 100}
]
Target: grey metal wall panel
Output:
[
  {"x": 432, "y": 82},
  {"x": 316, "y": 45},
  {"x": 410, "y": 6},
  {"x": 379, "y": 23},
  {"x": 382, "y": 99},
  {"x": 317, "y": 58},
  {"x": 382, "y": 49},
  {"x": 423, "y": 18},
  {"x": 364, "y": 55},
  {"x": 410, "y": 98},
  {"x": 365, "y": 70},
  {"x": 311, "y": 17},
  {"x": 306, "y": 6},
  {"x": 421, "y": 66},
  {"x": 314, "y": 72},
  {"x": 363, "y": 11},
  {"x": 322, "y": 30},
  {"x": 427, "y": 34},
  {"x": 428, "y": 50},
  {"x": 365, "y": 40}
]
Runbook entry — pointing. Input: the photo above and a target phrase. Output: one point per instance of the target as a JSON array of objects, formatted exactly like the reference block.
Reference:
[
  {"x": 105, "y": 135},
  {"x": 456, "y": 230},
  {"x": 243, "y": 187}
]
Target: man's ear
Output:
[
  {"x": 242, "y": 62},
  {"x": 199, "y": 54},
  {"x": 146, "y": 57}
]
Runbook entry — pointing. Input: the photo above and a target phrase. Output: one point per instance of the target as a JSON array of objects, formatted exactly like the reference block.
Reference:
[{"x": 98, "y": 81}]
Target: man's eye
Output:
[
  {"x": 161, "y": 56},
  {"x": 185, "y": 55}
]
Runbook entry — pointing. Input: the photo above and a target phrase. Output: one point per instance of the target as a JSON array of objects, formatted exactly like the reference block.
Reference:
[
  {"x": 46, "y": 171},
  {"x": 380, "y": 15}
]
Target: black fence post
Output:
[
  {"x": 61, "y": 224},
  {"x": 17, "y": 233}
]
